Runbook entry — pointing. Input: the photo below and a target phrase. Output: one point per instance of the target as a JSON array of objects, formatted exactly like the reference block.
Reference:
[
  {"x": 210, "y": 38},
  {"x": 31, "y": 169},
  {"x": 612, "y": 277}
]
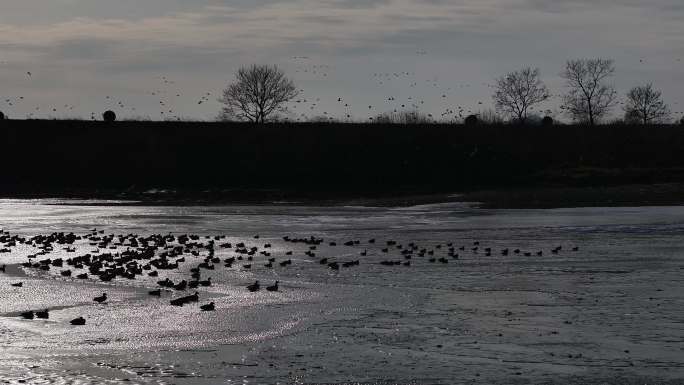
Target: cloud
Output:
[
  {"x": 339, "y": 23},
  {"x": 206, "y": 38}
]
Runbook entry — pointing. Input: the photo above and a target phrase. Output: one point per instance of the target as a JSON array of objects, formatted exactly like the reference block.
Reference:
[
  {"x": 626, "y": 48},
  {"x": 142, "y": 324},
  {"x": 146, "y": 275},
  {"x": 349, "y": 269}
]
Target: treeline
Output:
[
  {"x": 45, "y": 157},
  {"x": 260, "y": 93}
]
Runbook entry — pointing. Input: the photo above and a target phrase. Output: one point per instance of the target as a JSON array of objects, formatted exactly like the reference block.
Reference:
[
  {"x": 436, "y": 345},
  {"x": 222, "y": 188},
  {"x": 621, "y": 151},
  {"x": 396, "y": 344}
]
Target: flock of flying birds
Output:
[
  {"x": 420, "y": 92},
  {"x": 165, "y": 94},
  {"x": 98, "y": 257},
  {"x": 343, "y": 109}
]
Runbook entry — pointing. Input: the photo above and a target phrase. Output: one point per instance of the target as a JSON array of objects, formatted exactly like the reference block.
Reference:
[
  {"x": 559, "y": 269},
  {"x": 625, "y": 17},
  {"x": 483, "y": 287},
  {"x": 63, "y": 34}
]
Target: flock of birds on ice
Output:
[{"x": 127, "y": 257}]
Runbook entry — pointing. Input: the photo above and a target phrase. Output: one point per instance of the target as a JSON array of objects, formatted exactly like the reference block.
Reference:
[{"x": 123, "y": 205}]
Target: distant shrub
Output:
[
  {"x": 137, "y": 118},
  {"x": 403, "y": 117},
  {"x": 109, "y": 116},
  {"x": 547, "y": 121},
  {"x": 2, "y": 116},
  {"x": 321, "y": 119},
  {"x": 615, "y": 122},
  {"x": 531, "y": 120},
  {"x": 471, "y": 120},
  {"x": 630, "y": 117},
  {"x": 490, "y": 117},
  {"x": 682, "y": 121}
]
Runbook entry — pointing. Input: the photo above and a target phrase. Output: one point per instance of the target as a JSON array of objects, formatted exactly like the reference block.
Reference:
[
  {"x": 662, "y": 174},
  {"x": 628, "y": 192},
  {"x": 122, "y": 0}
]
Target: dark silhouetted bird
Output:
[
  {"x": 101, "y": 298},
  {"x": 273, "y": 288},
  {"x": 44, "y": 314},
  {"x": 254, "y": 287},
  {"x": 27, "y": 314}
]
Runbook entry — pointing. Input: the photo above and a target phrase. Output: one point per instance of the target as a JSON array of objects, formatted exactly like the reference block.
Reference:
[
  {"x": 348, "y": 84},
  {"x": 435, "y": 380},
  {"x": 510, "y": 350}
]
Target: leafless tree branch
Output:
[
  {"x": 645, "y": 104},
  {"x": 258, "y": 92},
  {"x": 518, "y": 91},
  {"x": 589, "y": 97}
]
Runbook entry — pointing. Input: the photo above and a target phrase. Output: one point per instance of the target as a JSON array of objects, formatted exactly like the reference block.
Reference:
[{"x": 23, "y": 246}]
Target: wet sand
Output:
[{"x": 609, "y": 313}]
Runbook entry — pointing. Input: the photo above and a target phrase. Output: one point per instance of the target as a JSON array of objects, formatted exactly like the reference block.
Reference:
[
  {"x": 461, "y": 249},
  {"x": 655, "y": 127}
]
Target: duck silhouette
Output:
[
  {"x": 273, "y": 288},
  {"x": 183, "y": 300},
  {"x": 44, "y": 314},
  {"x": 101, "y": 298},
  {"x": 182, "y": 285},
  {"x": 177, "y": 302},
  {"x": 193, "y": 297},
  {"x": 78, "y": 321},
  {"x": 27, "y": 314},
  {"x": 18, "y": 284},
  {"x": 254, "y": 287},
  {"x": 208, "y": 307}
]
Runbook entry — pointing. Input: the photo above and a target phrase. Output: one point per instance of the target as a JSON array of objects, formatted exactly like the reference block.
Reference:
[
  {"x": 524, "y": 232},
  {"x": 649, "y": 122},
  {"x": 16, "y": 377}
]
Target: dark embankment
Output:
[{"x": 322, "y": 161}]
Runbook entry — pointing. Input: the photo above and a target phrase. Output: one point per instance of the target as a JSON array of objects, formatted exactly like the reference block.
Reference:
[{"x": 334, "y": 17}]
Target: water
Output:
[{"x": 610, "y": 312}]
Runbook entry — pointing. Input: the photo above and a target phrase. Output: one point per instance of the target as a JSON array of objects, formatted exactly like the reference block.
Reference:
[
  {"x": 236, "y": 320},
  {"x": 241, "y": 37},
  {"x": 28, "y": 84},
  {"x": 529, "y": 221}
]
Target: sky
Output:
[{"x": 169, "y": 59}]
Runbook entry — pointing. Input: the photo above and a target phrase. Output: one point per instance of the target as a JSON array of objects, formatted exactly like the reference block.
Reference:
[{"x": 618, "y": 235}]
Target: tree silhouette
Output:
[
  {"x": 258, "y": 92},
  {"x": 2, "y": 116},
  {"x": 645, "y": 105},
  {"x": 589, "y": 97},
  {"x": 518, "y": 91}
]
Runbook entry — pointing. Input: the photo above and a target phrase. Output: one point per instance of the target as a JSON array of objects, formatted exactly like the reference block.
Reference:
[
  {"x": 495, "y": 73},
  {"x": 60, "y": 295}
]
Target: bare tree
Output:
[
  {"x": 518, "y": 91},
  {"x": 590, "y": 97},
  {"x": 258, "y": 92},
  {"x": 645, "y": 105}
]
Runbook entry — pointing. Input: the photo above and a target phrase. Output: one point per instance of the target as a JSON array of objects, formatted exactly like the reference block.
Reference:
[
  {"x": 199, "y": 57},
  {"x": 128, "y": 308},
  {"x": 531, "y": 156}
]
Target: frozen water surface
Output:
[{"x": 609, "y": 313}]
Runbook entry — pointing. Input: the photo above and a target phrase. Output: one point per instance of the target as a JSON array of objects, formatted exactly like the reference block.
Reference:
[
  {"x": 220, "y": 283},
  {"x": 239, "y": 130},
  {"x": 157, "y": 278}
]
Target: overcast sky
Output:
[{"x": 86, "y": 56}]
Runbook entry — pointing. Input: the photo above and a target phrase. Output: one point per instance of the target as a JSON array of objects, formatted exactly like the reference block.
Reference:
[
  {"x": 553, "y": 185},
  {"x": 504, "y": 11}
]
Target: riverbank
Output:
[
  {"x": 233, "y": 162},
  {"x": 663, "y": 194},
  {"x": 659, "y": 194}
]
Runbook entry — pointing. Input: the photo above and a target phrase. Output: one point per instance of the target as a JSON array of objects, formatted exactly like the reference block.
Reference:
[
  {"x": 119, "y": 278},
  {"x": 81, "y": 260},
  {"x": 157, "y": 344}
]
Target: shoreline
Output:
[
  {"x": 545, "y": 197},
  {"x": 663, "y": 194}
]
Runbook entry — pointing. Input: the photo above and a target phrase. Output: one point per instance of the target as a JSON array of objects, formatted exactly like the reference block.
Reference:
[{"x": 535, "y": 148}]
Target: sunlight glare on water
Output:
[{"x": 607, "y": 309}]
